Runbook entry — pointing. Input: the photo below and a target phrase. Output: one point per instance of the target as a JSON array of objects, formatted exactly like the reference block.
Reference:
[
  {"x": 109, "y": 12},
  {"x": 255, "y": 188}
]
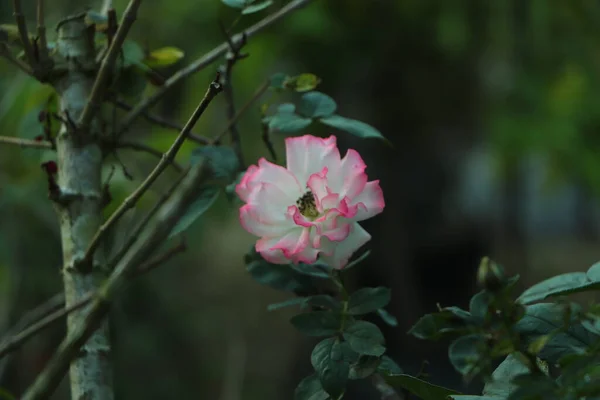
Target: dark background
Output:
[{"x": 493, "y": 112}]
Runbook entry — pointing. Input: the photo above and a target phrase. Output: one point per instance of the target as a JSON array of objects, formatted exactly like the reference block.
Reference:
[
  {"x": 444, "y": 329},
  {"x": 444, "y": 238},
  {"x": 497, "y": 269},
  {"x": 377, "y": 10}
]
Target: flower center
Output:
[{"x": 306, "y": 205}]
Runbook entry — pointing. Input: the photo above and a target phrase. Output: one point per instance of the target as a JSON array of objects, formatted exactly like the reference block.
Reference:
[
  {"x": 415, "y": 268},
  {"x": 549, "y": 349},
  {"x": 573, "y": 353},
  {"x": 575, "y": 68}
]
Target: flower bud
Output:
[{"x": 490, "y": 275}]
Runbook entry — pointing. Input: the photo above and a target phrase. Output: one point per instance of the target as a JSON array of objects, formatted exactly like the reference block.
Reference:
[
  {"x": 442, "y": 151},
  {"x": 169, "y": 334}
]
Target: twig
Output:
[
  {"x": 106, "y": 5},
  {"x": 14, "y": 342},
  {"x": 213, "y": 89},
  {"x": 232, "y": 57},
  {"x": 100, "y": 84},
  {"x": 259, "y": 92},
  {"x": 206, "y": 60},
  {"x": 23, "y": 34},
  {"x": 385, "y": 390},
  {"x": 147, "y": 149},
  {"x": 142, "y": 225},
  {"x": 41, "y": 31},
  {"x": 160, "y": 121},
  {"x": 5, "y": 52},
  {"x": 26, "y": 142},
  {"x": 43, "y": 316},
  {"x": 169, "y": 215}
]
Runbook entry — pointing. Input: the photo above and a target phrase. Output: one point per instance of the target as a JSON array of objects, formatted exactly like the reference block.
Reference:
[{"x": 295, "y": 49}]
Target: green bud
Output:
[{"x": 490, "y": 275}]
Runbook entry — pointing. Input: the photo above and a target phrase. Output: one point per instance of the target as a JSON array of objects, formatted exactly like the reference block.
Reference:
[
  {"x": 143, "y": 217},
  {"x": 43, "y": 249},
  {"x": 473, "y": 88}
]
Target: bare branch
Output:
[
  {"x": 213, "y": 89},
  {"x": 259, "y": 92},
  {"x": 385, "y": 390},
  {"x": 100, "y": 84},
  {"x": 169, "y": 215},
  {"x": 204, "y": 61},
  {"x": 5, "y": 52},
  {"x": 42, "y": 144},
  {"x": 23, "y": 34},
  {"x": 147, "y": 149},
  {"x": 232, "y": 57},
  {"x": 41, "y": 32},
  {"x": 106, "y": 5},
  {"x": 53, "y": 309},
  {"x": 160, "y": 121}
]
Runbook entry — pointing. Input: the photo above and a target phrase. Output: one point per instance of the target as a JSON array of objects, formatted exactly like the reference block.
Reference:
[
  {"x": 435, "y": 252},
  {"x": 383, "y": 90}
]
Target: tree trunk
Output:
[{"x": 79, "y": 206}]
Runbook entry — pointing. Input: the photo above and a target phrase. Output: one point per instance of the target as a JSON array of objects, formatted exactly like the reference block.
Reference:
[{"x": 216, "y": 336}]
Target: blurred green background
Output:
[{"x": 493, "y": 111}]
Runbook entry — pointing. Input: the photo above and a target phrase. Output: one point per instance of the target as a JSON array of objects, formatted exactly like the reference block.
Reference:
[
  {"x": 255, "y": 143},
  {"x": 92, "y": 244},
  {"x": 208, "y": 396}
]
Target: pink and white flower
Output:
[{"x": 311, "y": 208}]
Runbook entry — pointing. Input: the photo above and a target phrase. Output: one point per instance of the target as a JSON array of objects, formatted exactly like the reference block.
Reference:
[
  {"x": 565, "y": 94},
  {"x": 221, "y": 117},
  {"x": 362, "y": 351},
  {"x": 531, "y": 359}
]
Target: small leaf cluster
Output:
[
  {"x": 350, "y": 348},
  {"x": 548, "y": 350},
  {"x": 313, "y": 106}
]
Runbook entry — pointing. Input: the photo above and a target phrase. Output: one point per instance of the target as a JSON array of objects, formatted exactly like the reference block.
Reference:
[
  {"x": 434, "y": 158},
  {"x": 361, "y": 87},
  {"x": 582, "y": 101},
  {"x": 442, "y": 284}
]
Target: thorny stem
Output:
[
  {"x": 206, "y": 60},
  {"x": 212, "y": 91},
  {"x": 41, "y": 32},
  {"x": 5, "y": 52},
  {"x": 47, "y": 381}
]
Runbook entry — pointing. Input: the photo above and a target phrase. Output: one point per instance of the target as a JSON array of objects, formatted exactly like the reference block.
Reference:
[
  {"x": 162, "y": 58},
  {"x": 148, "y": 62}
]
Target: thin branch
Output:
[
  {"x": 41, "y": 32},
  {"x": 160, "y": 121},
  {"x": 232, "y": 57},
  {"x": 206, "y": 60},
  {"x": 385, "y": 390},
  {"x": 42, "y": 144},
  {"x": 213, "y": 89},
  {"x": 259, "y": 92},
  {"x": 147, "y": 149},
  {"x": 5, "y": 52},
  {"x": 169, "y": 215},
  {"x": 23, "y": 34},
  {"x": 100, "y": 84},
  {"x": 142, "y": 225},
  {"x": 106, "y": 5},
  {"x": 46, "y": 314}
]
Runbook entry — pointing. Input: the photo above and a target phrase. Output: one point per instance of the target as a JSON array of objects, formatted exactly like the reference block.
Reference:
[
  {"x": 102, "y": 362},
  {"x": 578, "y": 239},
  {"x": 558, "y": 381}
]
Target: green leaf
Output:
[
  {"x": 365, "y": 338},
  {"x": 435, "y": 326},
  {"x": 288, "y": 122},
  {"x": 501, "y": 382},
  {"x": 389, "y": 367},
  {"x": 473, "y": 397},
  {"x": 356, "y": 128},
  {"x": 479, "y": 304},
  {"x": 316, "y": 104},
  {"x": 301, "y": 301},
  {"x": 302, "y": 82},
  {"x": 310, "y": 389},
  {"x": 464, "y": 353},
  {"x": 277, "y": 81},
  {"x": 594, "y": 272},
  {"x": 133, "y": 54},
  {"x": 328, "y": 360},
  {"x": 163, "y": 57},
  {"x": 420, "y": 388},
  {"x": 358, "y": 260},
  {"x": 387, "y": 317},
  {"x": 317, "y": 323},
  {"x": 559, "y": 285},
  {"x": 235, "y": 3},
  {"x": 286, "y": 108},
  {"x": 257, "y": 7},
  {"x": 364, "y": 367},
  {"x": 545, "y": 318},
  {"x": 280, "y": 277},
  {"x": 222, "y": 160},
  {"x": 316, "y": 270},
  {"x": 367, "y": 300},
  {"x": 205, "y": 200},
  {"x": 325, "y": 301}
]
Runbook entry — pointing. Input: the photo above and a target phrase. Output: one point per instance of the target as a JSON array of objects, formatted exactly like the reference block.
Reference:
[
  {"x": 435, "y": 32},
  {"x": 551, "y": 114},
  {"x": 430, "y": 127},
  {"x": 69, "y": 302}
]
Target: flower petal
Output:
[
  {"x": 352, "y": 175},
  {"x": 342, "y": 251},
  {"x": 308, "y": 154},
  {"x": 370, "y": 201},
  {"x": 267, "y": 172},
  {"x": 261, "y": 223}
]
